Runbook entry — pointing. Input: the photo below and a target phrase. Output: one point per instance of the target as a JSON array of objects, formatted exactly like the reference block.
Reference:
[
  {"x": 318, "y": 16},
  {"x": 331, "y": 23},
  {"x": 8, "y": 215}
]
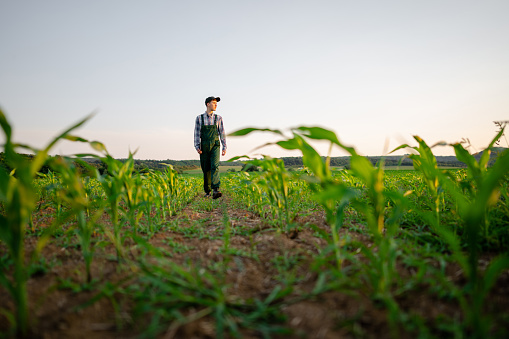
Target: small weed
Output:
[
  {"x": 194, "y": 230},
  {"x": 177, "y": 247},
  {"x": 69, "y": 284},
  {"x": 286, "y": 265},
  {"x": 40, "y": 267}
]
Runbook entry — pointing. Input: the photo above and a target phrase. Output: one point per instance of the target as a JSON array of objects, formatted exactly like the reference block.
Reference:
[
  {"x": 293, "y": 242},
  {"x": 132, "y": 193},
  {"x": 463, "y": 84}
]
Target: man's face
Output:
[{"x": 212, "y": 105}]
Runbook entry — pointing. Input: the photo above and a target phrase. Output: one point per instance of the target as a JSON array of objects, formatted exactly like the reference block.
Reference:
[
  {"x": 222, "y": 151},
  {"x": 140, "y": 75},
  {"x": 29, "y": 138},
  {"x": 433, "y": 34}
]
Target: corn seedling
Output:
[
  {"x": 18, "y": 196},
  {"x": 425, "y": 162},
  {"x": 473, "y": 212},
  {"x": 274, "y": 181},
  {"x": 53, "y": 186},
  {"x": 483, "y": 188},
  {"x": 74, "y": 194},
  {"x": 113, "y": 186}
]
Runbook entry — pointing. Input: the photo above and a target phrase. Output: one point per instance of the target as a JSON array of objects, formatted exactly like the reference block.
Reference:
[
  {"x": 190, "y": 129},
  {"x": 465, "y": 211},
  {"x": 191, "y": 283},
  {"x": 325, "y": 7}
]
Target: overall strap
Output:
[
  {"x": 202, "y": 122},
  {"x": 215, "y": 119}
]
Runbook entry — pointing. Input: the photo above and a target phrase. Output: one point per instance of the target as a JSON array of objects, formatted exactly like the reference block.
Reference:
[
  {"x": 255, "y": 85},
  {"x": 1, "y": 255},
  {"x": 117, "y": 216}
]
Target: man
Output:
[{"x": 208, "y": 130}]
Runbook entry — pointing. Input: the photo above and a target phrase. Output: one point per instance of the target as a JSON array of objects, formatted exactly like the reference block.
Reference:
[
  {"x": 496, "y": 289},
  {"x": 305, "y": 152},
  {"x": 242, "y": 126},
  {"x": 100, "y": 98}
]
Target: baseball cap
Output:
[{"x": 209, "y": 99}]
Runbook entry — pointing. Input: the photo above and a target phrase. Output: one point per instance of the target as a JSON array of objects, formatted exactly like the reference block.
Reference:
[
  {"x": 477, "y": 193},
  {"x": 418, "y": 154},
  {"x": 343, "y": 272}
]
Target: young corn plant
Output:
[
  {"x": 172, "y": 194},
  {"x": 74, "y": 195},
  {"x": 426, "y": 163},
  {"x": 149, "y": 202},
  {"x": 128, "y": 186},
  {"x": 380, "y": 271},
  {"x": 319, "y": 168},
  {"x": 114, "y": 186},
  {"x": 53, "y": 185},
  {"x": 156, "y": 189},
  {"x": 18, "y": 197},
  {"x": 274, "y": 180},
  {"x": 93, "y": 191},
  {"x": 473, "y": 198},
  {"x": 477, "y": 171},
  {"x": 249, "y": 192},
  {"x": 135, "y": 200},
  {"x": 473, "y": 211}
]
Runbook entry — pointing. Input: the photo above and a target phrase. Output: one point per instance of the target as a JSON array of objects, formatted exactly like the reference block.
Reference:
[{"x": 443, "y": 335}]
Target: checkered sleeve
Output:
[
  {"x": 197, "y": 128},
  {"x": 222, "y": 136}
]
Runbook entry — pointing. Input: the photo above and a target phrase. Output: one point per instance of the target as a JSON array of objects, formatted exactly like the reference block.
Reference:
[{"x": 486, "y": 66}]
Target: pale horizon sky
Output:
[{"x": 374, "y": 72}]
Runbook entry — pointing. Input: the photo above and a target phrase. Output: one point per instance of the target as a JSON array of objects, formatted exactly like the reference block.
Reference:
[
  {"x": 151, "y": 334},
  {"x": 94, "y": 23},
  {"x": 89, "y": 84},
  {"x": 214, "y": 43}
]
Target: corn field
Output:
[{"x": 310, "y": 252}]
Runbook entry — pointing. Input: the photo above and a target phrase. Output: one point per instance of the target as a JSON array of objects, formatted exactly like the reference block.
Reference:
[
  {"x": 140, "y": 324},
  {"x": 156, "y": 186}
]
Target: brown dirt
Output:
[{"x": 341, "y": 313}]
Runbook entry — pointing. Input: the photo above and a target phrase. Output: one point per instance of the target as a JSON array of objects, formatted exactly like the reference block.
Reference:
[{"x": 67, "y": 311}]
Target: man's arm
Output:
[
  {"x": 197, "y": 127},
  {"x": 222, "y": 135}
]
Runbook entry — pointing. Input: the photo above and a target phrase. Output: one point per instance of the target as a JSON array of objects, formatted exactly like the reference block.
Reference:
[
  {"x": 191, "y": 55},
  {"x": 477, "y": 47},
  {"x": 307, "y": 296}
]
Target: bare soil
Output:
[{"x": 58, "y": 312}]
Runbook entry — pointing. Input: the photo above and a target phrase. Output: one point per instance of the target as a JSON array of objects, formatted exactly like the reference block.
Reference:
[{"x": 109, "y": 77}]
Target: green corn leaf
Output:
[
  {"x": 319, "y": 133},
  {"x": 336, "y": 192},
  {"x": 291, "y": 144},
  {"x": 277, "y": 293},
  {"x": 262, "y": 146},
  {"x": 362, "y": 167},
  {"x": 464, "y": 156},
  {"x": 5, "y": 126},
  {"x": 439, "y": 143},
  {"x": 5, "y": 232},
  {"x": 489, "y": 191},
  {"x": 4, "y": 183},
  {"x": 249, "y": 130},
  {"x": 425, "y": 151},
  {"x": 402, "y": 147},
  {"x": 74, "y": 138},
  {"x": 239, "y": 157},
  {"x": 98, "y": 146},
  {"x": 493, "y": 271},
  {"x": 485, "y": 157},
  {"x": 38, "y": 161},
  {"x": 25, "y": 147}
]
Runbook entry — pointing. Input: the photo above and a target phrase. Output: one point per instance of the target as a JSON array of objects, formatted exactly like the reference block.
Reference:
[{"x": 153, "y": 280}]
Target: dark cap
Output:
[{"x": 209, "y": 99}]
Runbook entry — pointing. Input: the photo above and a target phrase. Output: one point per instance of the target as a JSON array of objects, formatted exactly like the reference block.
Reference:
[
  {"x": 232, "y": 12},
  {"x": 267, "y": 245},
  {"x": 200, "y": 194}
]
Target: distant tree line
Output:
[
  {"x": 160, "y": 165},
  {"x": 443, "y": 161},
  {"x": 7, "y": 167},
  {"x": 4, "y": 165},
  {"x": 139, "y": 165},
  {"x": 184, "y": 165}
]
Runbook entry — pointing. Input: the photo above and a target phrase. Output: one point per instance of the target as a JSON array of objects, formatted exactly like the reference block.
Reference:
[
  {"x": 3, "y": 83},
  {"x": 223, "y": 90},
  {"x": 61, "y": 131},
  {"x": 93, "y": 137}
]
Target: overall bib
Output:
[{"x": 209, "y": 158}]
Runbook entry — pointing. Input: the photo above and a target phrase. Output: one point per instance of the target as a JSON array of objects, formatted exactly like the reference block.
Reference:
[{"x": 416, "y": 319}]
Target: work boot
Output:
[{"x": 216, "y": 194}]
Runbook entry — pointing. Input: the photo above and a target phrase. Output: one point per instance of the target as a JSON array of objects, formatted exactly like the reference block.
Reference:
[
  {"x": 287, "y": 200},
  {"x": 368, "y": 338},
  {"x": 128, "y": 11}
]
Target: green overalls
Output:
[{"x": 209, "y": 157}]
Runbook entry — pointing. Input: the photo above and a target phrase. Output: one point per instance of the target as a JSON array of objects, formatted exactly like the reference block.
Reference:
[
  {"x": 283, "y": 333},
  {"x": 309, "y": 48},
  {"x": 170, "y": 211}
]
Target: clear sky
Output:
[{"x": 375, "y": 72}]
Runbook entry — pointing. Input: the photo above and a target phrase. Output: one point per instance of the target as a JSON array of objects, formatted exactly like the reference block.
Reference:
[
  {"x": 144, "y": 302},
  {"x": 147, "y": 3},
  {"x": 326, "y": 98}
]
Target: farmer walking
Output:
[{"x": 208, "y": 129}]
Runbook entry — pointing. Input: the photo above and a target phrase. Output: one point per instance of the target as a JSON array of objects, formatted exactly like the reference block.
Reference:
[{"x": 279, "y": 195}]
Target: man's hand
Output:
[
  {"x": 224, "y": 152},
  {"x": 199, "y": 151}
]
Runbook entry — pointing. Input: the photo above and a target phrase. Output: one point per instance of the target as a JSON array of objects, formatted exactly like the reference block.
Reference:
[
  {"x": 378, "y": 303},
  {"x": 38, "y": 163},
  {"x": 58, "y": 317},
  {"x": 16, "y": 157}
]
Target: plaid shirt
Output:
[{"x": 208, "y": 120}]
